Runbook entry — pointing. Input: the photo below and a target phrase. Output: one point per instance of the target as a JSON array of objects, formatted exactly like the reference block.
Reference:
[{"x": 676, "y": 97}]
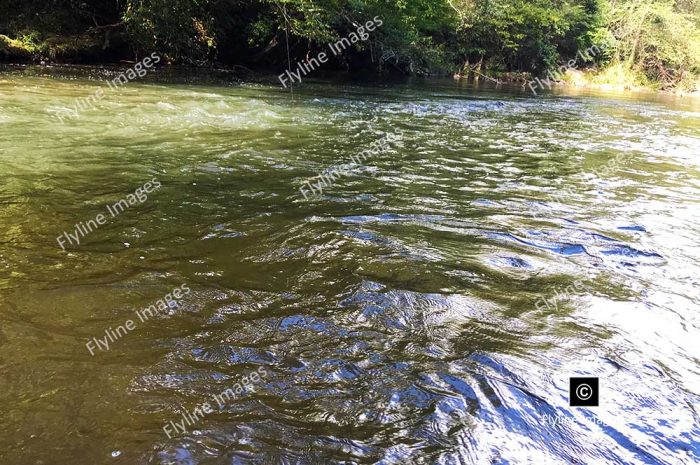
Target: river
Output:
[{"x": 425, "y": 305}]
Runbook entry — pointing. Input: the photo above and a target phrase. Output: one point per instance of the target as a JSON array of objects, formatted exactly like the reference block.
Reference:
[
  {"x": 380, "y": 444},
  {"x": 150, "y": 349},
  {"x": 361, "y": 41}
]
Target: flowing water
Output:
[{"x": 428, "y": 307}]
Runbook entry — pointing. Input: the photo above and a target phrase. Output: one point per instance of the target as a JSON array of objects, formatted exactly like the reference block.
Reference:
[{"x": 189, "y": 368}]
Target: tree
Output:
[
  {"x": 658, "y": 39},
  {"x": 179, "y": 29}
]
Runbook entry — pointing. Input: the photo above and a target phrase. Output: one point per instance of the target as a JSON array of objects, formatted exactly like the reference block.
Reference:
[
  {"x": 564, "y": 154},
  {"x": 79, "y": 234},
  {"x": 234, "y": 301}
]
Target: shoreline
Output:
[
  {"x": 576, "y": 80},
  {"x": 581, "y": 80}
]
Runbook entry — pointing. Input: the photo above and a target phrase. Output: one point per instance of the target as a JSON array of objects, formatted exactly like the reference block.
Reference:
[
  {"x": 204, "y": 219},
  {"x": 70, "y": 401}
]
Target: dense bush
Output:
[
  {"x": 656, "y": 39},
  {"x": 180, "y": 29}
]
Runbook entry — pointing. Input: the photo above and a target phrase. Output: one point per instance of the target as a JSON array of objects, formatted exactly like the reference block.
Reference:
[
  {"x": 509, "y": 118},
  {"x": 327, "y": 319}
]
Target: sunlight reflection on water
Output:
[{"x": 396, "y": 313}]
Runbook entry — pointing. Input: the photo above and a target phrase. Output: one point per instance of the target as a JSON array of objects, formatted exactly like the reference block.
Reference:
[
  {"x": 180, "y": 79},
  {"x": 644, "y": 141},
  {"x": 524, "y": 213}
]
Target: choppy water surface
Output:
[{"x": 400, "y": 316}]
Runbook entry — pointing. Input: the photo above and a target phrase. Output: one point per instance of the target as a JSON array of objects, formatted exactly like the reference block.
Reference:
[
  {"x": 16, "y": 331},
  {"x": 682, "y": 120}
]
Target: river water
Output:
[{"x": 427, "y": 307}]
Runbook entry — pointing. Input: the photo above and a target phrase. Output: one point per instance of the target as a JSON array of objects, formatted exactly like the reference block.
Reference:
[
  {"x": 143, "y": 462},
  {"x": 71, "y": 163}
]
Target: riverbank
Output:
[
  {"x": 97, "y": 48},
  {"x": 617, "y": 78},
  {"x": 611, "y": 78},
  {"x": 92, "y": 47},
  {"x": 62, "y": 49},
  {"x": 574, "y": 79}
]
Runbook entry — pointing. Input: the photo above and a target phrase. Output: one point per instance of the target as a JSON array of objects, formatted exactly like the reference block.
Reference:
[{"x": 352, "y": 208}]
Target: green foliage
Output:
[
  {"x": 18, "y": 48},
  {"x": 656, "y": 40},
  {"x": 179, "y": 29},
  {"x": 410, "y": 36},
  {"x": 305, "y": 18},
  {"x": 525, "y": 35}
]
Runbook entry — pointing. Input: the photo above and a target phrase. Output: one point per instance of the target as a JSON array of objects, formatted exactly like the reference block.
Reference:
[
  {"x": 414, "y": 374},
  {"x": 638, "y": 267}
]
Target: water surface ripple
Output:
[{"x": 428, "y": 308}]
